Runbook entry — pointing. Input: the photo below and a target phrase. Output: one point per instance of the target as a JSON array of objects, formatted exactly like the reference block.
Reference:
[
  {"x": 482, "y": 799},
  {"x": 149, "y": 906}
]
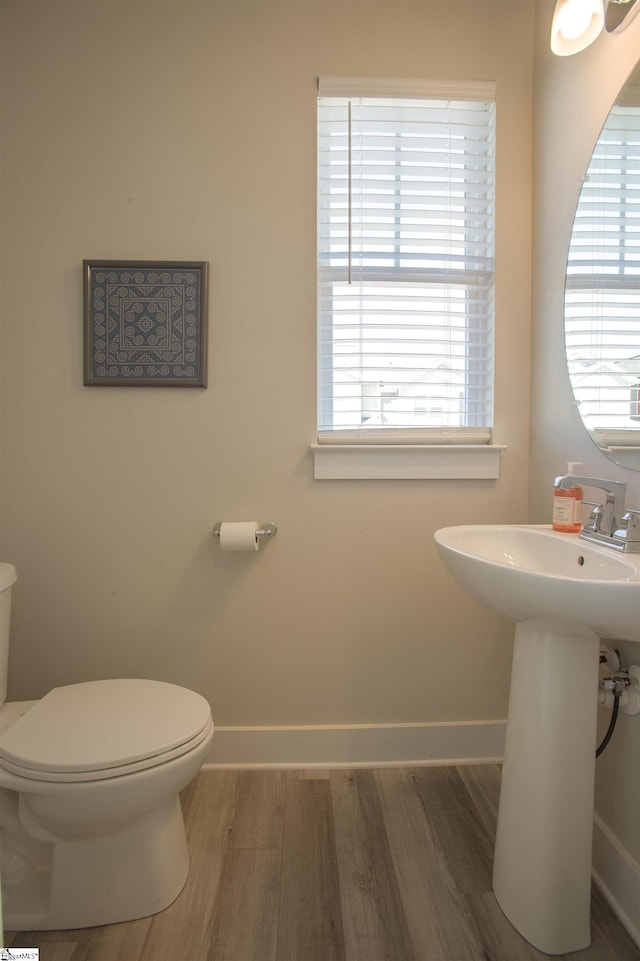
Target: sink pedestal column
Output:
[{"x": 542, "y": 865}]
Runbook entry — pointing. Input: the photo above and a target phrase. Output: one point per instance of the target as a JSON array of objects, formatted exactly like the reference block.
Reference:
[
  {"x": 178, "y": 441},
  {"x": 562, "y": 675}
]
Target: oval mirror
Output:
[{"x": 602, "y": 289}]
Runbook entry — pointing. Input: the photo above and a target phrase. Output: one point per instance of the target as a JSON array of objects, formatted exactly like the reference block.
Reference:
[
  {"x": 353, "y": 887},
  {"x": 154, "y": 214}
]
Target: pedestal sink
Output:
[{"x": 565, "y": 594}]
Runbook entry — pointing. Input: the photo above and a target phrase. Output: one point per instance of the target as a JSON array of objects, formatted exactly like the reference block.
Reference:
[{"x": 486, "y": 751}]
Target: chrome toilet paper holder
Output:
[{"x": 267, "y": 530}]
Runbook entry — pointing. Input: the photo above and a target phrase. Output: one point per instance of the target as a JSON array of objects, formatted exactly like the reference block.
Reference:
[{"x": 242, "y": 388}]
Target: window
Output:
[
  {"x": 602, "y": 297},
  {"x": 405, "y": 261}
]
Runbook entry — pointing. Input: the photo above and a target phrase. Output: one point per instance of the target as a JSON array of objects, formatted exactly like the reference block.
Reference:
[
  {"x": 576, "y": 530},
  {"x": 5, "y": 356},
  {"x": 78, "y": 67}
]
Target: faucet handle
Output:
[
  {"x": 630, "y": 529},
  {"x": 632, "y": 518},
  {"x": 595, "y": 516}
]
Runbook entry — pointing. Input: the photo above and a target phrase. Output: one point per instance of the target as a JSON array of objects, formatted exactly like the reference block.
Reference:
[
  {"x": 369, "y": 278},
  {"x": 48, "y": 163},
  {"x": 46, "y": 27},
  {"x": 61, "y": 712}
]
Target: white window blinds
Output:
[
  {"x": 602, "y": 300},
  {"x": 405, "y": 261}
]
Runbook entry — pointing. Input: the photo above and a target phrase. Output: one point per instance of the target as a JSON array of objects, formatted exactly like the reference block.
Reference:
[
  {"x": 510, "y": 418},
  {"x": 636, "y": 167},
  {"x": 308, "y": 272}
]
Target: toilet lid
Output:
[{"x": 88, "y": 730}]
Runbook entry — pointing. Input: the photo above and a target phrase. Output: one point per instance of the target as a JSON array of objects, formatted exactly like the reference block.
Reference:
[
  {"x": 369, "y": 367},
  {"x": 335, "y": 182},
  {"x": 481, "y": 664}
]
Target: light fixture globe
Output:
[{"x": 576, "y": 24}]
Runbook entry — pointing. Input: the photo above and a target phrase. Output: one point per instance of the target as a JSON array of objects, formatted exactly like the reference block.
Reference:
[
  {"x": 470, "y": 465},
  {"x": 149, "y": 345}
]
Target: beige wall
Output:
[
  {"x": 187, "y": 130},
  {"x": 572, "y": 98}
]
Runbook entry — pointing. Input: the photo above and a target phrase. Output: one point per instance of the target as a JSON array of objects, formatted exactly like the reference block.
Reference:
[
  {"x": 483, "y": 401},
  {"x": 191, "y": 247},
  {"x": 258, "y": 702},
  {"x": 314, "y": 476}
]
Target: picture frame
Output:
[{"x": 145, "y": 323}]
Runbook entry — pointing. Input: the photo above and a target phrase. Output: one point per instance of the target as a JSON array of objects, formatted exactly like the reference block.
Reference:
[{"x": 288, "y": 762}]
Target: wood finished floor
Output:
[{"x": 363, "y": 865}]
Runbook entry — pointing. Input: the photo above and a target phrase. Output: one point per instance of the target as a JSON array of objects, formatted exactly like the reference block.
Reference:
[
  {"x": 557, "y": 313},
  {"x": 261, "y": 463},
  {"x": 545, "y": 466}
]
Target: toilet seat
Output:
[{"x": 104, "y": 729}]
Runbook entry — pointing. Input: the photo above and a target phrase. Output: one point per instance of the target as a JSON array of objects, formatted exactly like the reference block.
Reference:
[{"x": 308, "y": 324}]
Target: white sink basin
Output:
[
  {"x": 527, "y": 572},
  {"x": 565, "y": 594}
]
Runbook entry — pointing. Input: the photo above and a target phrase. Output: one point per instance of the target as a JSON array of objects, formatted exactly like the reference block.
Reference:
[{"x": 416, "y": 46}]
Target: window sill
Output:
[{"x": 407, "y": 461}]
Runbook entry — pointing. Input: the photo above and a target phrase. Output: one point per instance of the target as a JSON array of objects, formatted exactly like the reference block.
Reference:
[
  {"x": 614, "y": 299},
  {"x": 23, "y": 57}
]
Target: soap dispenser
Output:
[{"x": 567, "y": 506}]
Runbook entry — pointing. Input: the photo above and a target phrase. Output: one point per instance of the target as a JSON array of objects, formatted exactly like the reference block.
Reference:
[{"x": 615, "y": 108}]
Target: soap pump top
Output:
[{"x": 567, "y": 505}]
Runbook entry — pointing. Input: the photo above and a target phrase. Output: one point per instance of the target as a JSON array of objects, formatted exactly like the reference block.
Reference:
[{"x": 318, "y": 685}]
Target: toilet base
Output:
[{"x": 85, "y": 882}]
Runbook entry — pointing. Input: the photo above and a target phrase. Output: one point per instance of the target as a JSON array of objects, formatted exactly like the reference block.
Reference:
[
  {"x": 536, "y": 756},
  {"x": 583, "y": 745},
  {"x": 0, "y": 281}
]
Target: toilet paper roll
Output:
[{"x": 239, "y": 536}]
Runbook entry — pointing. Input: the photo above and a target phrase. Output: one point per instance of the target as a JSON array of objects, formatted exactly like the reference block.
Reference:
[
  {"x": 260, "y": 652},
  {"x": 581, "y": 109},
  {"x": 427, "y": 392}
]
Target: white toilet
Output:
[{"x": 91, "y": 828}]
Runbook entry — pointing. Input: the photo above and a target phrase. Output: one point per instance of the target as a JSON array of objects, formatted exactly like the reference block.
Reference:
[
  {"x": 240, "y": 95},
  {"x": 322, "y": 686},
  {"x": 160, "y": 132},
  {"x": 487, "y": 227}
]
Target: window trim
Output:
[
  {"x": 437, "y": 455},
  {"x": 406, "y": 461}
]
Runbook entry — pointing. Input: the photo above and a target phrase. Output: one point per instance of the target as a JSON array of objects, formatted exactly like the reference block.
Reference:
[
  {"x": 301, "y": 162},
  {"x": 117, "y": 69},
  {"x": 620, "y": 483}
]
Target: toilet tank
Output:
[{"x": 8, "y": 577}]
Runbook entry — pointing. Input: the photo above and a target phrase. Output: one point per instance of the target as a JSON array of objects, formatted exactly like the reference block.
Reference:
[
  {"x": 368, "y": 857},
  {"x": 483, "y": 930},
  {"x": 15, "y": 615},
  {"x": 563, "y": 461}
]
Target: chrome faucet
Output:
[{"x": 608, "y": 523}]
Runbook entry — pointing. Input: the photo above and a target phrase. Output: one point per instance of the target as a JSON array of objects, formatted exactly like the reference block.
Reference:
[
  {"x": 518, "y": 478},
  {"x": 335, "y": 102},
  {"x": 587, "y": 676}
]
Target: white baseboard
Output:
[
  {"x": 617, "y": 875},
  {"x": 357, "y": 745}
]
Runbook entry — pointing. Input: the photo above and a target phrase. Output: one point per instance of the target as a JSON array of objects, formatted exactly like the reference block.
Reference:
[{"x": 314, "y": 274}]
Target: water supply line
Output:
[
  {"x": 619, "y": 690},
  {"x": 614, "y": 686}
]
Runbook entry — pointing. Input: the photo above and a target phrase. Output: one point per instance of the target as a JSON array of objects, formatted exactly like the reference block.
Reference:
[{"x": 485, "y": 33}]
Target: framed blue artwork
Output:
[{"x": 145, "y": 323}]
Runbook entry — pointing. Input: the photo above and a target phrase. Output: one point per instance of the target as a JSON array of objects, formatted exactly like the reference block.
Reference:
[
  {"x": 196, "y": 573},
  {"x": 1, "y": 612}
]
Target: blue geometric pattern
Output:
[{"x": 145, "y": 323}]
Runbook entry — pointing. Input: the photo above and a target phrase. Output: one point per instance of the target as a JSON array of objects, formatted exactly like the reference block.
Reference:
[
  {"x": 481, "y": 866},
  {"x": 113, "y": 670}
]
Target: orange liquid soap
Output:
[{"x": 567, "y": 508}]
